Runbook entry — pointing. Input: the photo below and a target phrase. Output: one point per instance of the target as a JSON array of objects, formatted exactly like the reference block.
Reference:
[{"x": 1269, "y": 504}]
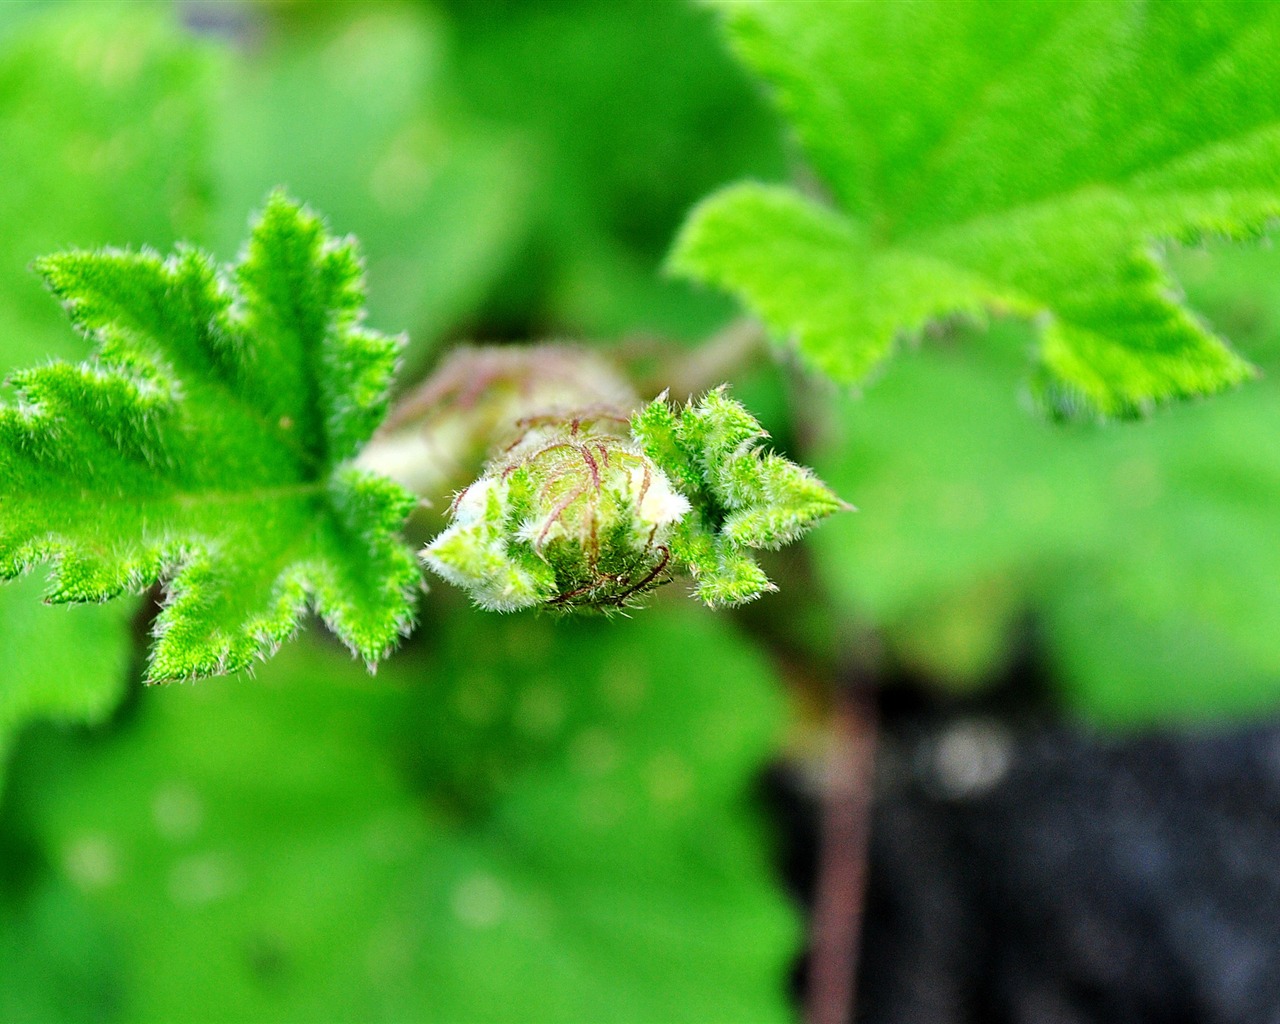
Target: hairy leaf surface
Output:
[
  {"x": 95, "y": 147},
  {"x": 990, "y": 157},
  {"x": 204, "y": 446}
]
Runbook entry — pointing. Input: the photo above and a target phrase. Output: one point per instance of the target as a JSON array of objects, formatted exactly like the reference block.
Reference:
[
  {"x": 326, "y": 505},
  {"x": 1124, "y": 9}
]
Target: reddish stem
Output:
[{"x": 842, "y": 860}]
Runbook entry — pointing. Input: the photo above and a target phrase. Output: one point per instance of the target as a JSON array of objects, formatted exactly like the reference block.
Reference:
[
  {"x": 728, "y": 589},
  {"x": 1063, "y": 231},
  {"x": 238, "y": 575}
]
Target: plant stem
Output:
[
  {"x": 842, "y": 858},
  {"x": 722, "y": 356}
]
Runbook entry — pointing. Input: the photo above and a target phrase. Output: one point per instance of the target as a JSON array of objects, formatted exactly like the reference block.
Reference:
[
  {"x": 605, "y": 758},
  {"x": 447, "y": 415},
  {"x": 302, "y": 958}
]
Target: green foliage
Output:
[
  {"x": 990, "y": 157},
  {"x": 552, "y": 820},
  {"x": 44, "y": 922},
  {"x": 625, "y": 113},
  {"x": 63, "y": 663},
  {"x": 101, "y": 138},
  {"x": 741, "y": 498},
  {"x": 1145, "y": 554},
  {"x": 547, "y": 828},
  {"x": 205, "y": 445},
  {"x": 347, "y": 111}
]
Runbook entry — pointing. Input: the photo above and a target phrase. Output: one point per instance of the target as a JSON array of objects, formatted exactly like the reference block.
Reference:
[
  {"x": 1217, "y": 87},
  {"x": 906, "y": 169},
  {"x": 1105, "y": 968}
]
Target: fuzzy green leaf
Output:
[
  {"x": 204, "y": 446},
  {"x": 95, "y": 147},
  {"x": 740, "y": 497},
  {"x": 992, "y": 157}
]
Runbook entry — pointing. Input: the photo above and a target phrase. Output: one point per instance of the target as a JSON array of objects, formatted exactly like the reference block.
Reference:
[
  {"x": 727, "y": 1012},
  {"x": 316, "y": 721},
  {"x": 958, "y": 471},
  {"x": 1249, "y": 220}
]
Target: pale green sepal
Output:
[{"x": 743, "y": 498}]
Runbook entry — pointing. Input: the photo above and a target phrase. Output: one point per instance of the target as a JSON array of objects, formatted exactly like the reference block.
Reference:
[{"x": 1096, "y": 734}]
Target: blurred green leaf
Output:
[
  {"x": 628, "y": 112},
  {"x": 1147, "y": 552},
  {"x": 1006, "y": 158},
  {"x": 102, "y": 141},
  {"x": 544, "y": 823},
  {"x": 345, "y": 112},
  {"x": 14, "y": 14},
  {"x": 69, "y": 664},
  {"x": 1134, "y": 666},
  {"x": 57, "y": 963}
]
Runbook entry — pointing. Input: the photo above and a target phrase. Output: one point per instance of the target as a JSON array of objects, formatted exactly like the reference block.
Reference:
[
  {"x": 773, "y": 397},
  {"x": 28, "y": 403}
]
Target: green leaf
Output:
[
  {"x": 552, "y": 827},
  {"x": 995, "y": 158},
  {"x": 205, "y": 446},
  {"x": 63, "y": 663},
  {"x": 102, "y": 115},
  {"x": 742, "y": 498},
  {"x": 1145, "y": 555},
  {"x": 1124, "y": 664},
  {"x": 43, "y": 920}
]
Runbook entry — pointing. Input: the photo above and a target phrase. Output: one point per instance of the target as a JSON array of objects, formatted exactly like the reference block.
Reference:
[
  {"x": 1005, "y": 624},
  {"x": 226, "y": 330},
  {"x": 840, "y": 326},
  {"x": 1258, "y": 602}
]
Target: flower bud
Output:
[
  {"x": 572, "y": 515},
  {"x": 440, "y": 434},
  {"x": 589, "y": 502}
]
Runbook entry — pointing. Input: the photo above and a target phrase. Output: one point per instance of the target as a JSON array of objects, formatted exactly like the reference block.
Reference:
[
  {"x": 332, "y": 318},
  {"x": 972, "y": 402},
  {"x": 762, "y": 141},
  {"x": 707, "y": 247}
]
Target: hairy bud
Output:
[
  {"x": 441, "y": 434},
  {"x": 586, "y": 503},
  {"x": 573, "y": 515}
]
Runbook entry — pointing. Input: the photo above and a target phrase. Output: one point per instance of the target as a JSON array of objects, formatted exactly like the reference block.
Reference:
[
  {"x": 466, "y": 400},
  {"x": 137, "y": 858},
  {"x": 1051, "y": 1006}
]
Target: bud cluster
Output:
[{"x": 584, "y": 502}]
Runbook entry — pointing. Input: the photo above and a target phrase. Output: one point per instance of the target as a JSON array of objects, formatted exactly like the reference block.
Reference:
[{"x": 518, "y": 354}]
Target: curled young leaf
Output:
[{"x": 744, "y": 498}]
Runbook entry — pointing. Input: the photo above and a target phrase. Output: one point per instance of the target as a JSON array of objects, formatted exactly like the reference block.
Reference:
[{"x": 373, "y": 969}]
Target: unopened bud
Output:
[
  {"x": 589, "y": 504},
  {"x": 573, "y": 515},
  {"x": 439, "y": 435}
]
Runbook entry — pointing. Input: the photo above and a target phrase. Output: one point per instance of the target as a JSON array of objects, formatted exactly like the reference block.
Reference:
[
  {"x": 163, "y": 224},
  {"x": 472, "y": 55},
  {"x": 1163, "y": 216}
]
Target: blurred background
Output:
[{"x": 1060, "y": 644}]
